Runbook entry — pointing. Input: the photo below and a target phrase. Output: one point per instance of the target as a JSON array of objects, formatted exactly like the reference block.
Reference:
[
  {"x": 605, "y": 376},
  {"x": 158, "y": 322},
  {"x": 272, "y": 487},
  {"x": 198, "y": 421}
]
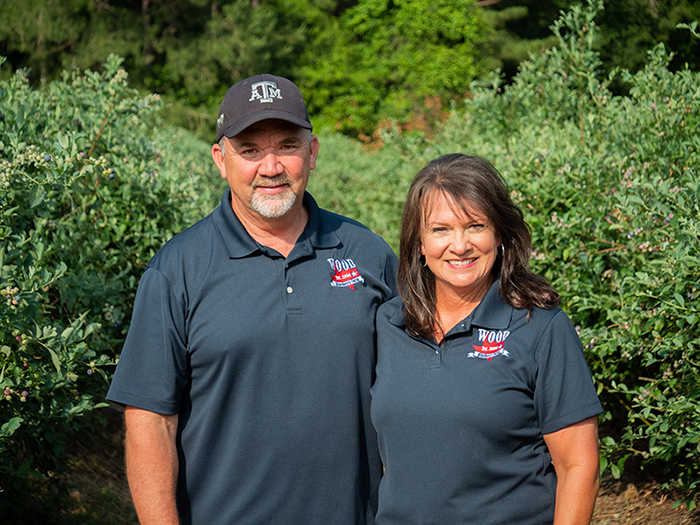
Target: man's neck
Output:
[{"x": 280, "y": 234}]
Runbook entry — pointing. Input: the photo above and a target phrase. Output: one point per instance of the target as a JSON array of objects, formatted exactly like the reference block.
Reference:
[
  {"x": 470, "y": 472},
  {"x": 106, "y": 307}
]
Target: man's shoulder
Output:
[
  {"x": 329, "y": 217},
  {"x": 350, "y": 229},
  {"x": 187, "y": 244}
]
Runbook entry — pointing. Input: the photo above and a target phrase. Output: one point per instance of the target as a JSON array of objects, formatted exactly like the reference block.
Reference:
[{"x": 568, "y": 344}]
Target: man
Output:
[{"x": 247, "y": 368}]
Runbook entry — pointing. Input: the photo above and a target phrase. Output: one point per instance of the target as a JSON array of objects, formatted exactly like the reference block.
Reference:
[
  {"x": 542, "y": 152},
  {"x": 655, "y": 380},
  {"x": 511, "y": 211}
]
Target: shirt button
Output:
[{"x": 289, "y": 289}]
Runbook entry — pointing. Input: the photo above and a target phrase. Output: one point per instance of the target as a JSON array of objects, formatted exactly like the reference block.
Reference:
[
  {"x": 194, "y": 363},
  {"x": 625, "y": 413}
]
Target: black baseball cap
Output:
[{"x": 259, "y": 98}]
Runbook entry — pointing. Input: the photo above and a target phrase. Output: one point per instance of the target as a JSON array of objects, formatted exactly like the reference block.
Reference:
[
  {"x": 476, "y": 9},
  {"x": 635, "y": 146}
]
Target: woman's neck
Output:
[{"x": 453, "y": 306}]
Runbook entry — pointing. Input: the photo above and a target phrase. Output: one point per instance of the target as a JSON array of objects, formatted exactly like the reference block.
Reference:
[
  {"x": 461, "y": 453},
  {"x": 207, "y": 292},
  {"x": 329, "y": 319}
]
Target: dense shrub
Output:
[
  {"x": 611, "y": 189},
  {"x": 87, "y": 194},
  {"x": 90, "y": 187},
  {"x": 610, "y": 186}
]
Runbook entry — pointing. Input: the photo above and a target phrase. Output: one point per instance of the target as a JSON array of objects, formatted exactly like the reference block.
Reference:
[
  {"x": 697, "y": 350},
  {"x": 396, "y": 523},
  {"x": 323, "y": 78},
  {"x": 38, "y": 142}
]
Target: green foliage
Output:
[
  {"x": 370, "y": 188},
  {"x": 87, "y": 195},
  {"x": 385, "y": 59},
  {"x": 611, "y": 188},
  {"x": 92, "y": 183},
  {"x": 634, "y": 25},
  {"x": 243, "y": 39},
  {"x": 520, "y": 27},
  {"x": 359, "y": 62}
]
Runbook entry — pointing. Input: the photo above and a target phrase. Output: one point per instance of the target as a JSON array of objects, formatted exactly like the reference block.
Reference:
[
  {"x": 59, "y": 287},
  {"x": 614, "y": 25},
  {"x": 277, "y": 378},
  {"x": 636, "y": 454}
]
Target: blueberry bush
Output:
[
  {"x": 91, "y": 185},
  {"x": 610, "y": 185}
]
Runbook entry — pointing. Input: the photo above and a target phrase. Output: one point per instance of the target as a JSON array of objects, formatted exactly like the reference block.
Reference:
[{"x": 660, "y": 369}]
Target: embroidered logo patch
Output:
[
  {"x": 264, "y": 91},
  {"x": 491, "y": 344},
  {"x": 344, "y": 273}
]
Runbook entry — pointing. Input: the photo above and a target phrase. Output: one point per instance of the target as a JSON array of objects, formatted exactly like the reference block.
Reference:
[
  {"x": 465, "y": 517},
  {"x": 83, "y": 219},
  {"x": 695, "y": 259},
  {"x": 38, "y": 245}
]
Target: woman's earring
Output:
[{"x": 501, "y": 250}]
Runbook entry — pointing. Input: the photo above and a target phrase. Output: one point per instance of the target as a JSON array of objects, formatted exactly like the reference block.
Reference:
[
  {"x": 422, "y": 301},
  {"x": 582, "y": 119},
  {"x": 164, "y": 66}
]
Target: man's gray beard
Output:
[{"x": 273, "y": 206}]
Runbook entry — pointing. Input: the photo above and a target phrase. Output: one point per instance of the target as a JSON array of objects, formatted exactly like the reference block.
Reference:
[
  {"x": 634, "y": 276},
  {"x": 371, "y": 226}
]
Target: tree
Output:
[
  {"x": 189, "y": 50},
  {"x": 628, "y": 29},
  {"x": 520, "y": 27},
  {"x": 391, "y": 59}
]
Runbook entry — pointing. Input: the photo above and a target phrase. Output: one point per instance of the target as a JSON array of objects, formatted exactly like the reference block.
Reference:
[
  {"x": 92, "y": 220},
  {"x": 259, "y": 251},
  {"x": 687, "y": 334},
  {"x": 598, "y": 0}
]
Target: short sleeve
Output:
[
  {"x": 390, "y": 274},
  {"x": 564, "y": 390},
  {"x": 152, "y": 372}
]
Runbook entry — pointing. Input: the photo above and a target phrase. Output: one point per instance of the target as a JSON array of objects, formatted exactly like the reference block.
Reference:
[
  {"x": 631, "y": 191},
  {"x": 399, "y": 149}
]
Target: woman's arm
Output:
[
  {"x": 152, "y": 465},
  {"x": 574, "y": 451}
]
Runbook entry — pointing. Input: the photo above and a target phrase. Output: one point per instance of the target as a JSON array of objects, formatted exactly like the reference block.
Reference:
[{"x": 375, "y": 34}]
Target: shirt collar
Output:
[
  {"x": 493, "y": 312},
  {"x": 239, "y": 243}
]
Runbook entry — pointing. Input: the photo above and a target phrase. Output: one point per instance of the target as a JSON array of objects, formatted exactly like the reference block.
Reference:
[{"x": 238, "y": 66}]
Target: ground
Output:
[
  {"x": 639, "y": 503},
  {"x": 97, "y": 492}
]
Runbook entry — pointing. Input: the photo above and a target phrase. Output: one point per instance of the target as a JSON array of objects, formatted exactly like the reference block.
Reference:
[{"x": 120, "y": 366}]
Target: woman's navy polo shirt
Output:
[
  {"x": 460, "y": 426},
  {"x": 268, "y": 362}
]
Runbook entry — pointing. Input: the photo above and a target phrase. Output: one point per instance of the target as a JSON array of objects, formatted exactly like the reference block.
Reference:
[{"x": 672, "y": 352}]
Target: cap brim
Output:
[{"x": 269, "y": 114}]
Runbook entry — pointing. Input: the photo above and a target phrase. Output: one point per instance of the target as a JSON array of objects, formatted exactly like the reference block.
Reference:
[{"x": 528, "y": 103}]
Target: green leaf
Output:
[
  {"x": 89, "y": 329},
  {"x": 55, "y": 360},
  {"x": 603, "y": 464},
  {"x": 67, "y": 333},
  {"x": 615, "y": 471},
  {"x": 11, "y": 426},
  {"x": 62, "y": 140},
  {"x": 36, "y": 196},
  {"x": 679, "y": 299}
]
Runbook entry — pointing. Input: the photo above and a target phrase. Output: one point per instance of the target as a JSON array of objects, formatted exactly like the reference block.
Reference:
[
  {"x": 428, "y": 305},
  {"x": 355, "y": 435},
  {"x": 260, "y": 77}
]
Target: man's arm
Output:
[
  {"x": 152, "y": 465},
  {"x": 574, "y": 451}
]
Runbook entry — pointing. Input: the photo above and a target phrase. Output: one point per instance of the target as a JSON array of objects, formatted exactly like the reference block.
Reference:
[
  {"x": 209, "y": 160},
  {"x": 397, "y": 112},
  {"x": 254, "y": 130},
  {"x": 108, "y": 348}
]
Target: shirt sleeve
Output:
[
  {"x": 564, "y": 390},
  {"x": 152, "y": 371},
  {"x": 390, "y": 274}
]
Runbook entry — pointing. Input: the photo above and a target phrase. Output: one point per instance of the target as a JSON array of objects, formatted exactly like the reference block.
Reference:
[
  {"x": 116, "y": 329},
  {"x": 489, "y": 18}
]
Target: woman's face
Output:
[{"x": 460, "y": 250}]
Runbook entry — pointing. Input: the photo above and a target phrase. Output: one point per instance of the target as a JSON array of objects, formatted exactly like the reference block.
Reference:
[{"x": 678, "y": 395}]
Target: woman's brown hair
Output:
[{"x": 470, "y": 183}]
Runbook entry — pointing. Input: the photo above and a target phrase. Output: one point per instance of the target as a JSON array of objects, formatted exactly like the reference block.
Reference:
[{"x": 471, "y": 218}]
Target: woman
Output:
[{"x": 483, "y": 404}]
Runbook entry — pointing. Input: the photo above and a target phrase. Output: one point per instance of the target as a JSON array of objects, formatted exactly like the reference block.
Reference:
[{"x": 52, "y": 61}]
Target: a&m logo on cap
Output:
[
  {"x": 264, "y": 91},
  {"x": 344, "y": 273},
  {"x": 491, "y": 344}
]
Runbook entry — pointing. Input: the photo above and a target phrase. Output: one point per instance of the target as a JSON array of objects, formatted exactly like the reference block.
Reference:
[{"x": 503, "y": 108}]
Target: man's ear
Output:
[
  {"x": 218, "y": 157},
  {"x": 314, "y": 151}
]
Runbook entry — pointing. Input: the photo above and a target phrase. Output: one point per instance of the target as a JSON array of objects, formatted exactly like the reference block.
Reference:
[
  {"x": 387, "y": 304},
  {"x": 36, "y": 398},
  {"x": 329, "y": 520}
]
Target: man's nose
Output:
[{"x": 270, "y": 165}]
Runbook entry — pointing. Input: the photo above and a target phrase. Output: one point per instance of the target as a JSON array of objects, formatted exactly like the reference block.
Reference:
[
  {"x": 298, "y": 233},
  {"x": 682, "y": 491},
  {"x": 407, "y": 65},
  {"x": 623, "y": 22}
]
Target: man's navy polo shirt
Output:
[
  {"x": 268, "y": 362},
  {"x": 460, "y": 426}
]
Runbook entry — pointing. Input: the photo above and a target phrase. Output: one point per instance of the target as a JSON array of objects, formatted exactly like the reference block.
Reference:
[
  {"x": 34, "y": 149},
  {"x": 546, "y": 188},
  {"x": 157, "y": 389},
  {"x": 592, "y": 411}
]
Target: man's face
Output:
[{"x": 267, "y": 167}]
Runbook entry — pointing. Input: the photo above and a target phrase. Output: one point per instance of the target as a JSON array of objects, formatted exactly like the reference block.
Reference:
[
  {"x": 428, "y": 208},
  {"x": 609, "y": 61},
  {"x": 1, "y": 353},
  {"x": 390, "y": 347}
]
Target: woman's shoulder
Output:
[{"x": 391, "y": 311}]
